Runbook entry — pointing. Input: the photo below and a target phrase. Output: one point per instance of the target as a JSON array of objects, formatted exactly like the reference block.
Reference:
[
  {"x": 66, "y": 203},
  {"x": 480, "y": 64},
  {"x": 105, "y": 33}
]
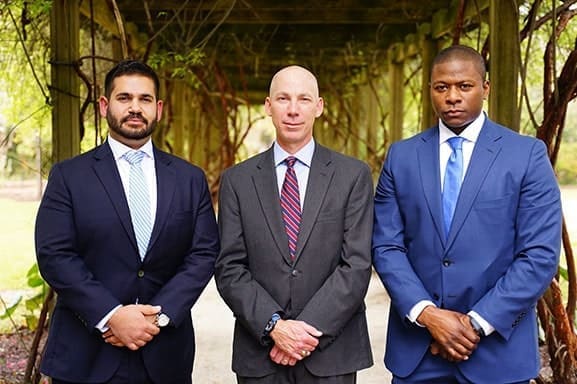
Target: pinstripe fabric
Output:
[
  {"x": 290, "y": 205},
  {"x": 139, "y": 201}
]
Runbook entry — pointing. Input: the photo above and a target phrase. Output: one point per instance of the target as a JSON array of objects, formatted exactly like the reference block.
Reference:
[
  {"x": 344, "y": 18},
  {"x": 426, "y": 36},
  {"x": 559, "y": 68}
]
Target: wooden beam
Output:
[
  {"x": 64, "y": 32},
  {"x": 504, "y": 63}
]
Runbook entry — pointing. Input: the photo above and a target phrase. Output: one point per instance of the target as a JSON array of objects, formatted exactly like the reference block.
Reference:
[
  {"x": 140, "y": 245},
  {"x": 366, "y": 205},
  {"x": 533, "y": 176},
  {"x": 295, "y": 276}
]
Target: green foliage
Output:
[
  {"x": 29, "y": 308},
  {"x": 179, "y": 66},
  {"x": 566, "y": 167}
]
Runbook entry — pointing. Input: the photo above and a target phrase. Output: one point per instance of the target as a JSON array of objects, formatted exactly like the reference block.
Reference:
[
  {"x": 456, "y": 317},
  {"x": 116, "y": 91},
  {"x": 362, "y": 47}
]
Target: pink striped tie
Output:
[{"x": 290, "y": 205}]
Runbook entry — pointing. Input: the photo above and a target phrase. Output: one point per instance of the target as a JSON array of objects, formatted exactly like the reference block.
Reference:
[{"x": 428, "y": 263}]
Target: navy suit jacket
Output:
[
  {"x": 499, "y": 257},
  {"x": 86, "y": 250}
]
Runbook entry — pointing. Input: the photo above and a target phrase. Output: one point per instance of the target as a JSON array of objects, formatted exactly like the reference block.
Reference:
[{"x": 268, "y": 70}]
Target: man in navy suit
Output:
[
  {"x": 124, "y": 298},
  {"x": 464, "y": 285}
]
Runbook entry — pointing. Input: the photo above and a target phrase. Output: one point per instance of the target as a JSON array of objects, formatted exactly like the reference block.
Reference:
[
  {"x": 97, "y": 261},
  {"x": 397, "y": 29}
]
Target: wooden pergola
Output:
[{"x": 251, "y": 39}]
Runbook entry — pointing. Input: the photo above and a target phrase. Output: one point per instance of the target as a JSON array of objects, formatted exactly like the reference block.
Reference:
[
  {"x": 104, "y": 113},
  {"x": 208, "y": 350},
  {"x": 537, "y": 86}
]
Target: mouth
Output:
[
  {"x": 454, "y": 113},
  {"x": 292, "y": 125},
  {"x": 134, "y": 120}
]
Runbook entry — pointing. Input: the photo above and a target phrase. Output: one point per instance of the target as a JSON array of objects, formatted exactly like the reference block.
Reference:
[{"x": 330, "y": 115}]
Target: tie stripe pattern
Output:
[
  {"x": 139, "y": 201},
  {"x": 452, "y": 181},
  {"x": 290, "y": 205}
]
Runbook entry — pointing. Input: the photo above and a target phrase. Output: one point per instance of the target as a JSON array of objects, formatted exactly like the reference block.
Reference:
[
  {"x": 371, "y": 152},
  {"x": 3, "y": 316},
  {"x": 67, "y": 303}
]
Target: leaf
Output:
[{"x": 9, "y": 311}]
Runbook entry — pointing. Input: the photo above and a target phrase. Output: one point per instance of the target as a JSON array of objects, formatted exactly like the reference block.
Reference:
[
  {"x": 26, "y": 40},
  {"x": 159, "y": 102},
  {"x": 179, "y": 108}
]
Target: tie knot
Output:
[
  {"x": 134, "y": 157},
  {"x": 290, "y": 161},
  {"x": 456, "y": 142}
]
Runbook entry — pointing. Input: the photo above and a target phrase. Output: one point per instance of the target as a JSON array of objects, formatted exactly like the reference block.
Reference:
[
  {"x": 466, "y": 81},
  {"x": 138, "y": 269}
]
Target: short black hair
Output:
[
  {"x": 130, "y": 67},
  {"x": 462, "y": 52}
]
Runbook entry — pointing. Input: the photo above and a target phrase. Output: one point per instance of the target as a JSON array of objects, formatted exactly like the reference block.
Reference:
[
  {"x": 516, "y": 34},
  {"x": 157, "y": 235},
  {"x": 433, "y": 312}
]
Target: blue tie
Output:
[
  {"x": 453, "y": 180},
  {"x": 139, "y": 201}
]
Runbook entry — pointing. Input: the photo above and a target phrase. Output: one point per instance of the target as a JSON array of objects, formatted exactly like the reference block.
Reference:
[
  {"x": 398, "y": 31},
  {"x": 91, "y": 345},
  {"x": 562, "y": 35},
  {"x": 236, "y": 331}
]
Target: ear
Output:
[
  {"x": 486, "y": 88},
  {"x": 103, "y": 105},
  {"x": 159, "y": 105},
  {"x": 320, "y": 107},
  {"x": 267, "y": 106}
]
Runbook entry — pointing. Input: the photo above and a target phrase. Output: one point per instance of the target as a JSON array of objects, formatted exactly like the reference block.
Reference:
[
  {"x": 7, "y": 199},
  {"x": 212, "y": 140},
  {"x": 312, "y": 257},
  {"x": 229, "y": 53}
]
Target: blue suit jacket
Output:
[
  {"x": 87, "y": 252},
  {"x": 500, "y": 255}
]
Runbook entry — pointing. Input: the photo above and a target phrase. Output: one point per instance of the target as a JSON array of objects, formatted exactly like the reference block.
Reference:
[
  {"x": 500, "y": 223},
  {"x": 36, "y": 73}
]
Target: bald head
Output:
[
  {"x": 295, "y": 73},
  {"x": 462, "y": 53}
]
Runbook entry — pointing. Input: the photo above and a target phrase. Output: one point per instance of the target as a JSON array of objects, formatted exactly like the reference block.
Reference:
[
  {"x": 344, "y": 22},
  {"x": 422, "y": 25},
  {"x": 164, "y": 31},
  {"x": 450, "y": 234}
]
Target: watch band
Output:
[{"x": 476, "y": 326}]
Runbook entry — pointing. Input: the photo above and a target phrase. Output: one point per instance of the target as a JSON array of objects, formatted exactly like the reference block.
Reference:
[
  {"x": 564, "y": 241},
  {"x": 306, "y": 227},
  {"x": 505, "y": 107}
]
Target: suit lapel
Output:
[
  {"x": 486, "y": 150},
  {"x": 428, "y": 159},
  {"x": 107, "y": 172},
  {"x": 166, "y": 185},
  {"x": 320, "y": 176},
  {"x": 265, "y": 183}
]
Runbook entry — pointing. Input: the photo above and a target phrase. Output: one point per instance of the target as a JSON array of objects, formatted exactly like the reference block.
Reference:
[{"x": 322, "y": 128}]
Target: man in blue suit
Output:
[
  {"x": 128, "y": 245},
  {"x": 465, "y": 269}
]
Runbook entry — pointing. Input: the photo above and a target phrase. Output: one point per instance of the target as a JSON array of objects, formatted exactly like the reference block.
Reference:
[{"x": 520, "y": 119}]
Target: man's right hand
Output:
[
  {"x": 296, "y": 338},
  {"x": 132, "y": 326},
  {"x": 455, "y": 338}
]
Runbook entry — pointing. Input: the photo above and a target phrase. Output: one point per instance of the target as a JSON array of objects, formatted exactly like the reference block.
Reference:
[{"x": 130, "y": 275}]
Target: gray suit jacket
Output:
[{"x": 326, "y": 284}]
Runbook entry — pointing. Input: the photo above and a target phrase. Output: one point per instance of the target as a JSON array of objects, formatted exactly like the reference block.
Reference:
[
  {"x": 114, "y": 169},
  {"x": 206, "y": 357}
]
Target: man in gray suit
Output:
[{"x": 295, "y": 263}]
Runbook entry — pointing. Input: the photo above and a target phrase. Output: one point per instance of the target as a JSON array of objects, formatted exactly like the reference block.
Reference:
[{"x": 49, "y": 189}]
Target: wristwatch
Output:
[
  {"x": 476, "y": 326},
  {"x": 161, "y": 320},
  {"x": 271, "y": 324}
]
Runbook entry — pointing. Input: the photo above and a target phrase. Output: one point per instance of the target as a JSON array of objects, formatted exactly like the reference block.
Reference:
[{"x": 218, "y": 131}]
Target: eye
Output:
[
  {"x": 466, "y": 86},
  {"x": 122, "y": 98},
  {"x": 440, "y": 87}
]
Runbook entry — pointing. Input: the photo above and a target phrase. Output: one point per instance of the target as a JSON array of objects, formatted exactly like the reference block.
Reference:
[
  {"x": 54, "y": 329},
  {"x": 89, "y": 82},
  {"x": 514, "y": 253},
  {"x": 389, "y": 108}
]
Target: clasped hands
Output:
[
  {"x": 132, "y": 326},
  {"x": 294, "y": 340},
  {"x": 454, "y": 338}
]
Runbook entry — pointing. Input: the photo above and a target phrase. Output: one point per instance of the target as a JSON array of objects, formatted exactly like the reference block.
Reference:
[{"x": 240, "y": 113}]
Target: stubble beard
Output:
[{"x": 132, "y": 134}]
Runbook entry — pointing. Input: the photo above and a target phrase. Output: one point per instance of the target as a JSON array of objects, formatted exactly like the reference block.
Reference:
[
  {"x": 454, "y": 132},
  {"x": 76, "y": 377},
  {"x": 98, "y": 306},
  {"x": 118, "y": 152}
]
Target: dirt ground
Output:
[{"x": 213, "y": 324}]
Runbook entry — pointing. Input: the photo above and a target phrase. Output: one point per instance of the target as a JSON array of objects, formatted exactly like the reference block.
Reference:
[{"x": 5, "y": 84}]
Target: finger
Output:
[
  {"x": 292, "y": 362},
  {"x": 149, "y": 309},
  {"x": 312, "y": 330}
]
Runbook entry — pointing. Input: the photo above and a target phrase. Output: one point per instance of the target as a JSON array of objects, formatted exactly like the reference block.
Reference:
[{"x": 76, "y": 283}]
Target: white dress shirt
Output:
[
  {"x": 471, "y": 134},
  {"x": 147, "y": 164},
  {"x": 302, "y": 166}
]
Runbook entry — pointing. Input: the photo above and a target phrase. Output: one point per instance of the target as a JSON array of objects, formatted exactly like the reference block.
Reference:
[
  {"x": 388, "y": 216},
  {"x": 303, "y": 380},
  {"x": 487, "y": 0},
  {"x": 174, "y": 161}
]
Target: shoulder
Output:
[
  {"x": 250, "y": 165},
  {"x": 326, "y": 155},
  {"x": 177, "y": 163}
]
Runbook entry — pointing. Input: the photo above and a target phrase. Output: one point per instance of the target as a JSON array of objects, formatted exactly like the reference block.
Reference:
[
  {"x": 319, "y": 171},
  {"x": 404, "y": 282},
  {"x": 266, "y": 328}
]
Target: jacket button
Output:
[
  {"x": 446, "y": 263},
  {"x": 294, "y": 273},
  {"x": 140, "y": 273},
  {"x": 436, "y": 297}
]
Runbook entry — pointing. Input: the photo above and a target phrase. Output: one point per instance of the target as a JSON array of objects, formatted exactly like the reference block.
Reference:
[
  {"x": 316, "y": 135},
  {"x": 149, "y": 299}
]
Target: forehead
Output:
[
  {"x": 294, "y": 81},
  {"x": 133, "y": 84},
  {"x": 457, "y": 69}
]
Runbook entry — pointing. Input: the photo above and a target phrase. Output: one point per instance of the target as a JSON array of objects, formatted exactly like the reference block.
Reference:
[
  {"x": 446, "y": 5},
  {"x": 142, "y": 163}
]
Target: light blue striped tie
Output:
[
  {"x": 453, "y": 179},
  {"x": 139, "y": 201}
]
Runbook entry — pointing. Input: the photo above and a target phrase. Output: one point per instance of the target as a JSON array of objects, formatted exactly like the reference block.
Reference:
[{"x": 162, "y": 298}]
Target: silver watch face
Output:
[{"x": 162, "y": 320}]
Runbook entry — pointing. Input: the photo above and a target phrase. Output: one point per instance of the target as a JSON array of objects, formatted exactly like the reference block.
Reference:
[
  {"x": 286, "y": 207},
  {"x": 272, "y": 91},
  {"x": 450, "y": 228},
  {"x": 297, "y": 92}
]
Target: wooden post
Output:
[
  {"x": 64, "y": 29},
  {"x": 396, "y": 97},
  {"x": 504, "y": 63},
  {"x": 428, "y": 52}
]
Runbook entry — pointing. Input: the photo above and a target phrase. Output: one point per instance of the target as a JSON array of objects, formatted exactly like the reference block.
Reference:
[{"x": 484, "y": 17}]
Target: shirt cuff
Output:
[
  {"x": 487, "y": 328},
  {"x": 417, "y": 309},
  {"x": 101, "y": 326}
]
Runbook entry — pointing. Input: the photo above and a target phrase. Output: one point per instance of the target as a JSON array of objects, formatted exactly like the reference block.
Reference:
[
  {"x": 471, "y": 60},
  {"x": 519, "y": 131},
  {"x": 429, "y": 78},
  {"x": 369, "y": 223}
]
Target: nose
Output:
[
  {"x": 453, "y": 95},
  {"x": 293, "y": 108},
  {"x": 134, "y": 106}
]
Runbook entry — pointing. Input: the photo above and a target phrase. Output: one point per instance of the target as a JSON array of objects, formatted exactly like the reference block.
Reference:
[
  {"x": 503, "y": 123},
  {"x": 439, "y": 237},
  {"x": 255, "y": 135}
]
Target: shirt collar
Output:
[
  {"x": 119, "y": 149},
  {"x": 304, "y": 155},
  {"x": 471, "y": 133}
]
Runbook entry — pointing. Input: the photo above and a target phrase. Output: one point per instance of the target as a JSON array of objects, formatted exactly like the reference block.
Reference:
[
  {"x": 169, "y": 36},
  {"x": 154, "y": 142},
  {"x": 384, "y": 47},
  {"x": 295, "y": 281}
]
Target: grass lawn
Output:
[{"x": 16, "y": 242}]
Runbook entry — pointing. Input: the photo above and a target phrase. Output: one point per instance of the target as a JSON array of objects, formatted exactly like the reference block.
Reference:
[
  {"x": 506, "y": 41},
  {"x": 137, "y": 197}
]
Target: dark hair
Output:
[
  {"x": 130, "y": 67},
  {"x": 462, "y": 52}
]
